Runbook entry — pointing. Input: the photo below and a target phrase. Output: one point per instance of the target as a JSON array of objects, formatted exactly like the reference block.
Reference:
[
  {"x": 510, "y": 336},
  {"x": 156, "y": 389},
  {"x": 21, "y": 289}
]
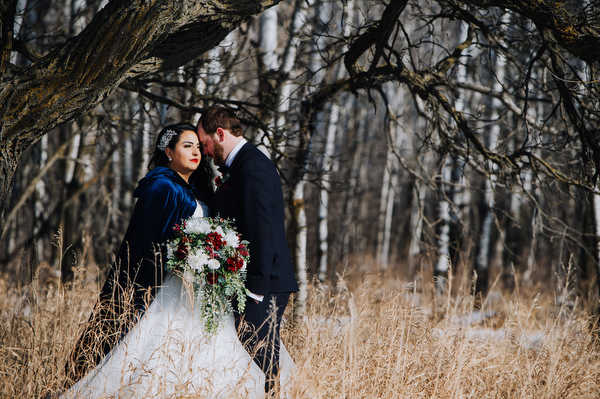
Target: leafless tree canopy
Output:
[{"x": 410, "y": 135}]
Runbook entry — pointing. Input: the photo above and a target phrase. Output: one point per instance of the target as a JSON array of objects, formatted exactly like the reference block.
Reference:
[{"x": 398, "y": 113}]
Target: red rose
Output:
[
  {"x": 182, "y": 251},
  {"x": 234, "y": 264},
  {"x": 212, "y": 278},
  {"x": 215, "y": 240},
  {"x": 244, "y": 253}
]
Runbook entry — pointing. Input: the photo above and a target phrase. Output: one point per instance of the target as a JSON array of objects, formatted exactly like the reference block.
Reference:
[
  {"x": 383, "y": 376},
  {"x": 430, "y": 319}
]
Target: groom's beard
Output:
[{"x": 218, "y": 155}]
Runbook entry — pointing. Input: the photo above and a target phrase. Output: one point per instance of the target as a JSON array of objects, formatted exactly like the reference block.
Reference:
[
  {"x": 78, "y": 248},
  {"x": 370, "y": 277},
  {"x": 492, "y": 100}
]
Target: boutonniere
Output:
[{"x": 220, "y": 180}]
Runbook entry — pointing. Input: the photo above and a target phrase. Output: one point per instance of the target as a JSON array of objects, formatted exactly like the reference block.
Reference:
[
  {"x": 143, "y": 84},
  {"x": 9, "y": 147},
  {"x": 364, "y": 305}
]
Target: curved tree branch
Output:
[{"x": 576, "y": 33}]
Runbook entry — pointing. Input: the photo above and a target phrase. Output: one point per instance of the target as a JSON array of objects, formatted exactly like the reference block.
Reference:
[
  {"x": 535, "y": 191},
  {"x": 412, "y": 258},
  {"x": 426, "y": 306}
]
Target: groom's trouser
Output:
[{"x": 260, "y": 334}]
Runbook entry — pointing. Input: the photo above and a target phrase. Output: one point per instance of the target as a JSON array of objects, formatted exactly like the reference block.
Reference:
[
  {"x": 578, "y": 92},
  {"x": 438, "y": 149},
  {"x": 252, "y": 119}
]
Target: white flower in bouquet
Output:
[
  {"x": 198, "y": 259},
  {"x": 232, "y": 239},
  {"x": 214, "y": 264},
  {"x": 197, "y": 226},
  {"x": 218, "y": 229}
]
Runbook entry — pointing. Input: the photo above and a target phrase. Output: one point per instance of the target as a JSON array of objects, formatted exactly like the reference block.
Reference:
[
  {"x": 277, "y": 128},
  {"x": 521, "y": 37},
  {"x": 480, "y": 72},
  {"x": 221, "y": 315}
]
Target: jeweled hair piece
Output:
[{"x": 166, "y": 139}]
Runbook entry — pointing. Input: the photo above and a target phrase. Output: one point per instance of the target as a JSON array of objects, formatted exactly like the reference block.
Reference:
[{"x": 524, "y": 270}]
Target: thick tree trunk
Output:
[{"x": 8, "y": 165}]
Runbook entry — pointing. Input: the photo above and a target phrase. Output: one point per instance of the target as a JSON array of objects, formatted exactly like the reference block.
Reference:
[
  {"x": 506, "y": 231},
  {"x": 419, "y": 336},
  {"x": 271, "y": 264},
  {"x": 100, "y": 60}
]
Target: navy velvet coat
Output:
[{"x": 163, "y": 200}]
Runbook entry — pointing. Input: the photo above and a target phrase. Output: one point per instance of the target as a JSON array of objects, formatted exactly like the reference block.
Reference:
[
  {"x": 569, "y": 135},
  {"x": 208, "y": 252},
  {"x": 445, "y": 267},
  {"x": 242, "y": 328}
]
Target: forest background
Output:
[{"x": 421, "y": 142}]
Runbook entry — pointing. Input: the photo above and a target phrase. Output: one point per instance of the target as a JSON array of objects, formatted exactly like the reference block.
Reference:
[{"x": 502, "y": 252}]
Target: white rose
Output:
[{"x": 213, "y": 264}]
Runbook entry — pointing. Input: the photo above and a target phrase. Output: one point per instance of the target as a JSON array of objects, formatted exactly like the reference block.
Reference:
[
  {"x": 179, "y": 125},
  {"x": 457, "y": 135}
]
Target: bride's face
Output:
[{"x": 186, "y": 156}]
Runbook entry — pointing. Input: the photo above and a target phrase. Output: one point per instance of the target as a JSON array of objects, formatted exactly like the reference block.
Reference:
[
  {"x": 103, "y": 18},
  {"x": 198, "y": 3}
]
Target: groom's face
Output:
[{"x": 212, "y": 146}]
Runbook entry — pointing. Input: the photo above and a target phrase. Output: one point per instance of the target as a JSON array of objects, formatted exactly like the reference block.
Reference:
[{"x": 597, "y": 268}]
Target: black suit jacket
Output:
[{"x": 251, "y": 195}]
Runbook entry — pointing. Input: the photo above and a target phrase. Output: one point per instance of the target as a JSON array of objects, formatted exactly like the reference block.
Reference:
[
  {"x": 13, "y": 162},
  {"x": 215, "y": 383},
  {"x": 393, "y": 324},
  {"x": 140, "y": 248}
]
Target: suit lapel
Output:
[{"x": 232, "y": 169}]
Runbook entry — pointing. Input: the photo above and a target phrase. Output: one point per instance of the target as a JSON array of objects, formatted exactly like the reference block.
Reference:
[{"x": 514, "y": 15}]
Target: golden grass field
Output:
[{"x": 373, "y": 338}]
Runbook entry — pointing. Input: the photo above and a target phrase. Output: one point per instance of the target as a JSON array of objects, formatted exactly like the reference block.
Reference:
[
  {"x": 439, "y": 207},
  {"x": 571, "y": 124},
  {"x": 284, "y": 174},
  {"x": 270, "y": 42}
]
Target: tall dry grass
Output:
[{"x": 381, "y": 339}]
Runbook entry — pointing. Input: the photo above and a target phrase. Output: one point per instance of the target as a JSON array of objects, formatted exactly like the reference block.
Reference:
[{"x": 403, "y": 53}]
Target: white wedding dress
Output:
[{"x": 167, "y": 354}]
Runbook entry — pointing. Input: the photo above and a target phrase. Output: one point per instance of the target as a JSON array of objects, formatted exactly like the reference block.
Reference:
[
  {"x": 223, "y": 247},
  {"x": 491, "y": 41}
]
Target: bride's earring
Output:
[{"x": 170, "y": 159}]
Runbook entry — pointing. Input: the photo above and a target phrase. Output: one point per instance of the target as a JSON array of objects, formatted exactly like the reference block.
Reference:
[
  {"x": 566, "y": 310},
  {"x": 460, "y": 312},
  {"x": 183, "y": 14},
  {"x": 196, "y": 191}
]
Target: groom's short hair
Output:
[{"x": 216, "y": 116}]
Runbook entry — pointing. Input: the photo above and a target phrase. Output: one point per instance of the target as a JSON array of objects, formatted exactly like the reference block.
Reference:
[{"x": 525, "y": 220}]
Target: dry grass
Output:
[{"x": 379, "y": 340}]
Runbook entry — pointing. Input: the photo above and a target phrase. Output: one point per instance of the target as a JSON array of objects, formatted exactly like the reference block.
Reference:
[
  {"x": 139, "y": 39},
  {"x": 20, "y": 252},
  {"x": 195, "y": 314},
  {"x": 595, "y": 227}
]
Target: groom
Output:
[{"x": 250, "y": 194}]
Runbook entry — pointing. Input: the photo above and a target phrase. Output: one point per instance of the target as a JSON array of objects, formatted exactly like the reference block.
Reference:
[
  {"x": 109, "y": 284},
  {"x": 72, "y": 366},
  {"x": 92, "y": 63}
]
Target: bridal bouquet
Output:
[{"x": 208, "y": 253}]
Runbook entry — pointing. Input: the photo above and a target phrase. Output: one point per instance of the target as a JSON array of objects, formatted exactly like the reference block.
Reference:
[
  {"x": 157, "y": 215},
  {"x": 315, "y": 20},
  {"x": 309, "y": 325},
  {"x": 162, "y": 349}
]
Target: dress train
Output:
[{"x": 168, "y": 354}]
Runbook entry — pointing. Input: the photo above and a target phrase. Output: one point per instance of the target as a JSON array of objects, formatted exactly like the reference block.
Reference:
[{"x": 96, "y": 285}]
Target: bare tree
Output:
[{"x": 497, "y": 125}]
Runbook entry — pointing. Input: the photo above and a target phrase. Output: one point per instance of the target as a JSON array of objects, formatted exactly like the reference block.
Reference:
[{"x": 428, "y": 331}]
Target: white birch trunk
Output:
[
  {"x": 416, "y": 212},
  {"x": 71, "y": 161},
  {"x": 328, "y": 162},
  {"x": 268, "y": 39},
  {"x": 442, "y": 264},
  {"x": 299, "y": 19},
  {"x": 325, "y": 187},
  {"x": 40, "y": 207},
  {"x": 300, "y": 249},
  {"x": 268, "y": 46},
  {"x": 117, "y": 191},
  {"x": 267, "y": 51},
  {"x": 148, "y": 139},
  {"x": 416, "y": 219},
  {"x": 18, "y": 23},
  {"x": 445, "y": 190},
  {"x": 390, "y": 181},
  {"x": 482, "y": 260},
  {"x": 535, "y": 228}
]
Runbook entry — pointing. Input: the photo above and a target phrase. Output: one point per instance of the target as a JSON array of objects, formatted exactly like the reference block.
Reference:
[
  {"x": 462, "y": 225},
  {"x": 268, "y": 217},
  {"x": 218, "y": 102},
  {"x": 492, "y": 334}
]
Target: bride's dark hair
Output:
[{"x": 202, "y": 177}]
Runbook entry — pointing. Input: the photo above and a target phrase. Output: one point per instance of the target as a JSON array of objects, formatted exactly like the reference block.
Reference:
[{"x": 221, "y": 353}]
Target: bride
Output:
[{"x": 145, "y": 337}]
